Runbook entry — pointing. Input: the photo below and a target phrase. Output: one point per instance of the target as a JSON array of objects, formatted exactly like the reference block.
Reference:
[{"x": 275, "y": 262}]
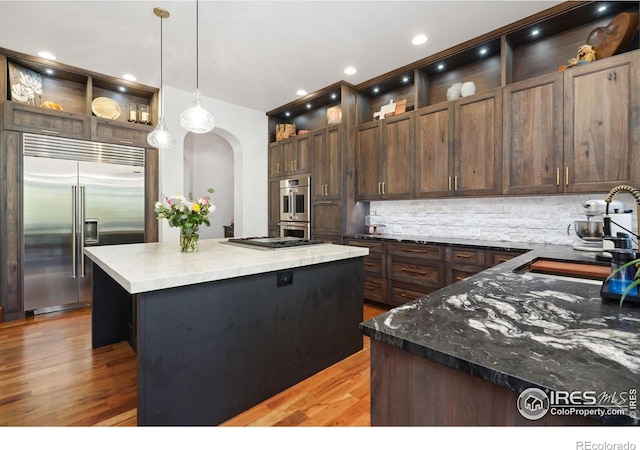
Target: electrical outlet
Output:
[{"x": 284, "y": 278}]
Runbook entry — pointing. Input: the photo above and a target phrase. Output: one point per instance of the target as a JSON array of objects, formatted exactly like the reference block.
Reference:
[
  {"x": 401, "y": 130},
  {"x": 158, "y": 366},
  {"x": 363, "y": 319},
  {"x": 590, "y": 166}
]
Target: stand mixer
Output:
[{"x": 591, "y": 231}]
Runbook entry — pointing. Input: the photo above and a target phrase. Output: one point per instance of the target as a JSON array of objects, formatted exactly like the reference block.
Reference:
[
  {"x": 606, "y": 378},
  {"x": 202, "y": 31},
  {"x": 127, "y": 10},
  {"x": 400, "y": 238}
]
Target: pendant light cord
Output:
[
  {"x": 197, "y": 49},
  {"x": 161, "y": 85}
]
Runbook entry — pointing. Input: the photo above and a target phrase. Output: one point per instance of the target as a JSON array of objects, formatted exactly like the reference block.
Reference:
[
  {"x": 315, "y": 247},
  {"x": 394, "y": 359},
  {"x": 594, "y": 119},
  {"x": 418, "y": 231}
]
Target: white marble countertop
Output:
[{"x": 160, "y": 265}]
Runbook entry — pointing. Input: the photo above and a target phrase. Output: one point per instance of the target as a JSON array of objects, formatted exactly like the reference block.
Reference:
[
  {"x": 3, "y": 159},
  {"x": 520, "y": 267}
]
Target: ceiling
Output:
[{"x": 255, "y": 54}]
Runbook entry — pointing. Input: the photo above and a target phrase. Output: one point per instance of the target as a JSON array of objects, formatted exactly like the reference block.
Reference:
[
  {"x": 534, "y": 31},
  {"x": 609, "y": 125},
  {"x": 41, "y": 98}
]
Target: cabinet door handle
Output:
[
  {"x": 501, "y": 260},
  {"x": 126, "y": 142},
  {"x": 379, "y": 189},
  {"x": 383, "y": 188},
  {"x": 278, "y": 168},
  {"x": 50, "y": 132},
  {"x": 326, "y": 189},
  {"x": 460, "y": 278},
  {"x": 449, "y": 183},
  {"x": 612, "y": 76},
  {"x": 295, "y": 164},
  {"x": 566, "y": 176},
  {"x": 417, "y": 272},
  {"x": 463, "y": 255},
  {"x": 370, "y": 288},
  {"x": 455, "y": 183},
  {"x": 411, "y": 250},
  {"x": 557, "y": 176},
  {"x": 368, "y": 264}
]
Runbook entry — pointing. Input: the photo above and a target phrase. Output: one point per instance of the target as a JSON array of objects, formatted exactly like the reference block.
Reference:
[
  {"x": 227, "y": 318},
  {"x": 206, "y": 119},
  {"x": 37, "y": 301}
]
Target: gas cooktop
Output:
[{"x": 272, "y": 243}]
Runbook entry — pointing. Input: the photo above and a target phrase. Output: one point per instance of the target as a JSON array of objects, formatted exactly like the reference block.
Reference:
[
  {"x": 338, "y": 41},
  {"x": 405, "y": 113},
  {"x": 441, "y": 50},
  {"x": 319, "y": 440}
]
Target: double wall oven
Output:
[{"x": 295, "y": 202}]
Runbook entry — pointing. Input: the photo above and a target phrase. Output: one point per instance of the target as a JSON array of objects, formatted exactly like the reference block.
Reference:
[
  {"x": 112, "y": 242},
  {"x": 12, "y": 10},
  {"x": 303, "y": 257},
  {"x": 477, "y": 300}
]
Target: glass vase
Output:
[{"x": 189, "y": 239}]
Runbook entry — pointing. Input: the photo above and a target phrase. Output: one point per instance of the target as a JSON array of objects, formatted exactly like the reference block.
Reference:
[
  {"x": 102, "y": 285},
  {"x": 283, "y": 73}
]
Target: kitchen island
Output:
[
  {"x": 225, "y": 328},
  {"x": 463, "y": 354}
]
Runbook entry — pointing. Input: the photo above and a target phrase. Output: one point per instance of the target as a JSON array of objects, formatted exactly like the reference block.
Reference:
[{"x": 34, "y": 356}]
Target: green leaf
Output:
[{"x": 628, "y": 289}]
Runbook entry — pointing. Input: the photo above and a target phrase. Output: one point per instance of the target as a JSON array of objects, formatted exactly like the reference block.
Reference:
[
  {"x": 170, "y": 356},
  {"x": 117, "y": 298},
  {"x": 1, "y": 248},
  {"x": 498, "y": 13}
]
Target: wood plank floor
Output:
[{"x": 50, "y": 376}]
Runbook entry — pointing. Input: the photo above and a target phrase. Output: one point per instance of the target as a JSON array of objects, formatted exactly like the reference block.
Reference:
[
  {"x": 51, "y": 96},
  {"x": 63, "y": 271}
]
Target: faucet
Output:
[{"x": 609, "y": 198}]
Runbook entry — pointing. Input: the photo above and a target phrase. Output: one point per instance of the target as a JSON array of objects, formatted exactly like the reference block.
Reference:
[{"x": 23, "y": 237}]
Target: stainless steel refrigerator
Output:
[{"x": 75, "y": 194}]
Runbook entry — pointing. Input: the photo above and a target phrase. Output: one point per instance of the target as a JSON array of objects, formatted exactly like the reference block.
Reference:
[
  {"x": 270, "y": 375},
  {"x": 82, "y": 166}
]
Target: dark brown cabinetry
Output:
[
  {"x": 327, "y": 163},
  {"x": 533, "y": 124},
  {"x": 74, "y": 89},
  {"x": 602, "y": 124},
  {"x": 384, "y": 152},
  {"x": 295, "y": 155},
  {"x": 275, "y": 159},
  {"x": 274, "y": 207},
  {"x": 399, "y": 272},
  {"x": 459, "y": 147}
]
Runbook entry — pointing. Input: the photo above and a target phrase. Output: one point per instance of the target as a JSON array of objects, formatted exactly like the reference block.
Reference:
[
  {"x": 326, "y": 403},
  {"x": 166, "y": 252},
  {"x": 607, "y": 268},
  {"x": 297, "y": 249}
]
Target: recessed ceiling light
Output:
[
  {"x": 308, "y": 105},
  {"x": 602, "y": 8},
  {"x": 301, "y": 92},
  {"x": 440, "y": 66},
  {"x": 350, "y": 70},
  {"x": 405, "y": 79},
  {"x": 376, "y": 90},
  {"x": 122, "y": 89},
  {"x": 419, "y": 39},
  {"x": 129, "y": 77},
  {"x": 334, "y": 96},
  {"x": 47, "y": 55},
  {"x": 483, "y": 51},
  {"x": 287, "y": 114},
  {"x": 49, "y": 71},
  {"x": 535, "y": 32}
]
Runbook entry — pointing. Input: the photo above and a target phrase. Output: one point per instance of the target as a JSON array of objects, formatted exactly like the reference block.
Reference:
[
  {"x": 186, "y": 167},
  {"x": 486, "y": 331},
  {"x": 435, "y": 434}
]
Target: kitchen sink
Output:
[{"x": 578, "y": 272}]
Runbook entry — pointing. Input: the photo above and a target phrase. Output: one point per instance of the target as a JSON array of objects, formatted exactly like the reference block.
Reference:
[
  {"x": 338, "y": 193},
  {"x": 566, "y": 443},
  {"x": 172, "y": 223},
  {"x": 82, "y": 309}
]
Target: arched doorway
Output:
[{"x": 208, "y": 163}]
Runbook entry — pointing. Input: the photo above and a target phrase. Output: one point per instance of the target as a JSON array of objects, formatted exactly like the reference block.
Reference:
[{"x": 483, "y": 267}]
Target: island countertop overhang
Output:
[{"x": 160, "y": 265}]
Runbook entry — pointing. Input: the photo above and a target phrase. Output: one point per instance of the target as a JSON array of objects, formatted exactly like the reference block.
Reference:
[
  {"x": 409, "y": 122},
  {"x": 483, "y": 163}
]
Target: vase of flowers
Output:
[{"x": 187, "y": 214}]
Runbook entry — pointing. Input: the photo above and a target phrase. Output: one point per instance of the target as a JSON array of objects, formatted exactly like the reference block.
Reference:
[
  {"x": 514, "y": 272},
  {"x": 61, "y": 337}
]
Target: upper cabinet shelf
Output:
[
  {"x": 75, "y": 89},
  {"x": 526, "y": 49}
]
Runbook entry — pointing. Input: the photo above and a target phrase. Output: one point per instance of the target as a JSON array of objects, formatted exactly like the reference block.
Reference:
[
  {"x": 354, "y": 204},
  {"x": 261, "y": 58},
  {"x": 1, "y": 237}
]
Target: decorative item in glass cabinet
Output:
[{"x": 133, "y": 113}]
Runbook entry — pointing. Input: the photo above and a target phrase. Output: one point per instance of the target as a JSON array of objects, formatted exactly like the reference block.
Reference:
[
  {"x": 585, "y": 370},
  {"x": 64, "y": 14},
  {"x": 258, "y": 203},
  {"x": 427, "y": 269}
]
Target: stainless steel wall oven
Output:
[{"x": 295, "y": 203}]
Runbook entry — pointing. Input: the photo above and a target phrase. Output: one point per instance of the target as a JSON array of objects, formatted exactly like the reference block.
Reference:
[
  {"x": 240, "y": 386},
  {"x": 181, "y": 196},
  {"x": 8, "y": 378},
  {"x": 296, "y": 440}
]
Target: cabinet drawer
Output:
[
  {"x": 402, "y": 293},
  {"x": 495, "y": 257},
  {"x": 372, "y": 245},
  {"x": 105, "y": 130},
  {"x": 422, "y": 251},
  {"x": 374, "y": 289},
  {"x": 411, "y": 270},
  {"x": 374, "y": 264},
  {"x": 465, "y": 255},
  {"x": 34, "y": 119},
  {"x": 458, "y": 272}
]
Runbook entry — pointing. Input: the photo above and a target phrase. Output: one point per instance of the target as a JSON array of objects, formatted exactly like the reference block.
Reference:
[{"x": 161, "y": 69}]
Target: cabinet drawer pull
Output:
[
  {"x": 370, "y": 288},
  {"x": 460, "y": 278},
  {"x": 417, "y": 272},
  {"x": 323, "y": 202},
  {"x": 612, "y": 76},
  {"x": 368, "y": 264},
  {"x": 463, "y": 255},
  {"x": 501, "y": 260},
  {"x": 50, "y": 132},
  {"x": 126, "y": 142},
  {"x": 412, "y": 250}
]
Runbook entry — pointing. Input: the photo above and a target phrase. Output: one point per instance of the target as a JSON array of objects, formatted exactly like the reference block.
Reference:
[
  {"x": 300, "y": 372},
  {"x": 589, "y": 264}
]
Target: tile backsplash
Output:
[{"x": 539, "y": 219}]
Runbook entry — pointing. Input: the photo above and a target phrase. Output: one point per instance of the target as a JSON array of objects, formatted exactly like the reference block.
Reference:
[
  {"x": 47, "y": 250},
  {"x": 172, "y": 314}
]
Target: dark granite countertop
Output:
[
  {"x": 520, "y": 331},
  {"x": 494, "y": 245}
]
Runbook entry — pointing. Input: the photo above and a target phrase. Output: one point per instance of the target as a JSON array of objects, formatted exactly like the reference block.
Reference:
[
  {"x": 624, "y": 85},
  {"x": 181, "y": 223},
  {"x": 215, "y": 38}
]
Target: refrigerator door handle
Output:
[
  {"x": 81, "y": 223},
  {"x": 74, "y": 273}
]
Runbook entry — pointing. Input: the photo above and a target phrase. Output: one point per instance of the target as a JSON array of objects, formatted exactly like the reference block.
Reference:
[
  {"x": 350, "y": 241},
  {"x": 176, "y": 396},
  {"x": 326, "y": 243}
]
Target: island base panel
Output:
[
  {"x": 209, "y": 351},
  {"x": 110, "y": 310},
  {"x": 408, "y": 390}
]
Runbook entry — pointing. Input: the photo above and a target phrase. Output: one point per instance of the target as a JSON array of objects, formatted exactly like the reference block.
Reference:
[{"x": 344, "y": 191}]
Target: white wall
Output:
[
  {"x": 511, "y": 219},
  {"x": 208, "y": 163},
  {"x": 246, "y": 132}
]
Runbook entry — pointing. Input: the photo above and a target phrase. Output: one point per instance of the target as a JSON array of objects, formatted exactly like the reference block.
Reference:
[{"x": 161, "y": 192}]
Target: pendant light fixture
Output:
[
  {"x": 197, "y": 119},
  {"x": 160, "y": 137}
]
